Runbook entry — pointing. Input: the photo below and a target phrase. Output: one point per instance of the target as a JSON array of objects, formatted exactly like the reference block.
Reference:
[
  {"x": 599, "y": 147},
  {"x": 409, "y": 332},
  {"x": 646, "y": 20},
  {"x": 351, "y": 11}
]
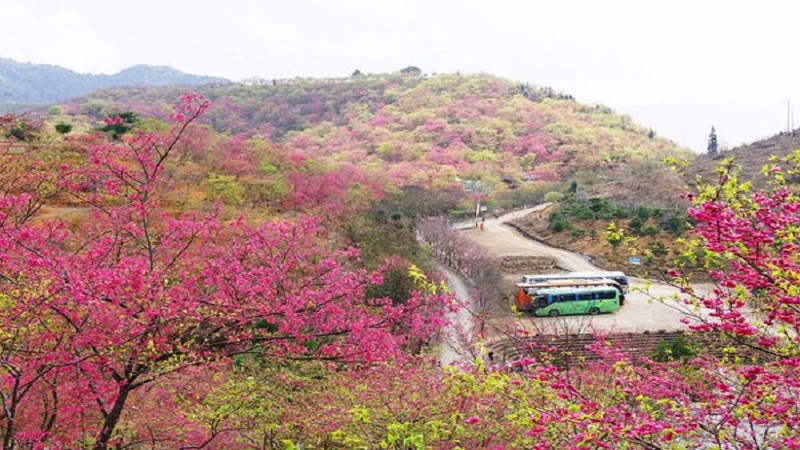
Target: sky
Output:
[{"x": 678, "y": 66}]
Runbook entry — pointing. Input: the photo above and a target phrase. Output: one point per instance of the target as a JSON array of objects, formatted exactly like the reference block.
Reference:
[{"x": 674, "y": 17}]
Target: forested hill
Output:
[
  {"x": 22, "y": 83},
  {"x": 475, "y": 132}
]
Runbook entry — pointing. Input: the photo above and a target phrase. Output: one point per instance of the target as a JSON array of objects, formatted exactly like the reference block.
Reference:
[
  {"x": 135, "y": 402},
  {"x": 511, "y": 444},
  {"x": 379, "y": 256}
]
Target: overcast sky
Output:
[{"x": 635, "y": 56}]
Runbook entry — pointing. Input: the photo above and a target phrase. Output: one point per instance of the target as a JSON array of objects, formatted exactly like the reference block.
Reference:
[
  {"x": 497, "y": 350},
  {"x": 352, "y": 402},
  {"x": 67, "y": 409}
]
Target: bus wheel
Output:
[
  {"x": 594, "y": 310},
  {"x": 554, "y": 313}
]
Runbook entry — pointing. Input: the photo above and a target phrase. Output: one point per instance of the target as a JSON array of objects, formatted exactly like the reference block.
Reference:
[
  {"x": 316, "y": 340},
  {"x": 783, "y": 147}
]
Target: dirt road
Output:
[{"x": 640, "y": 313}]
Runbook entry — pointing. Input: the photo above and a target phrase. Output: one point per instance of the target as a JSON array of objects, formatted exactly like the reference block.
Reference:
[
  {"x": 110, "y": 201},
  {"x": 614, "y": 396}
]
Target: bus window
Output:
[
  {"x": 608, "y": 294},
  {"x": 585, "y": 296}
]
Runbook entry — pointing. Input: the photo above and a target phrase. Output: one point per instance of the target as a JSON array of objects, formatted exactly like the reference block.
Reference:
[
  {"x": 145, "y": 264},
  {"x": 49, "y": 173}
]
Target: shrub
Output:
[
  {"x": 636, "y": 224},
  {"x": 674, "y": 350},
  {"x": 63, "y": 128},
  {"x": 674, "y": 224},
  {"x": 558, "y": 223},
  {"x": 650, "y": 231},
  {"x": 553, "y": 197}
]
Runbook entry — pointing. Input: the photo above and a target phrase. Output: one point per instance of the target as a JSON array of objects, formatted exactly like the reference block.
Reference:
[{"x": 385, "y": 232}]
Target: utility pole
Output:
[{"x": 788, "y": 116}]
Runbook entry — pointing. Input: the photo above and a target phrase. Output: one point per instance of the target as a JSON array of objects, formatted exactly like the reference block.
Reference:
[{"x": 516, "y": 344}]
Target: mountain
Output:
[
  {"x": 477, "y": 134},
  {"x": 24, "y": 83}
]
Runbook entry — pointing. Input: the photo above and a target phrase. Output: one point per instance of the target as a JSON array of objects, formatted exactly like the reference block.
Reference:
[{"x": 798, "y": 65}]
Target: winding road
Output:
[{"x": 642, "y": 310}]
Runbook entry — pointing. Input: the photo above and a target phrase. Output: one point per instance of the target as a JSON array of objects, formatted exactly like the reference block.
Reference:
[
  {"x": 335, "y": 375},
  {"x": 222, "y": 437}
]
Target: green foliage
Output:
[
  {"x": 525, "y": 194},
  {"x": 553, "y": 197},
  {"x": 63, "y": 128},
  {"x": 635, "y": 225},
  {"x": 594, "y": 209},
  {"x": 675, "y": 223},
  {"x": 677, "y": 349},
  {"x": 615, "y": 235},
  {"x": 558, "y": 223},
  {"x": 602, "y": 209},
  {"x": 397, "y": 285},
  {"x": 225, "y": 188},
  {"x": 267, "y": 168},
  {"x": 657, "y": 249},
  {"x": 651, "y": 230}
]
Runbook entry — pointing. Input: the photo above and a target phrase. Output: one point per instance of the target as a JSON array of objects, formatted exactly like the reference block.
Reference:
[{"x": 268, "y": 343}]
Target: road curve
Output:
[
  {"x": 642, "y": 310},
  {"x": 503, "y": 240}
]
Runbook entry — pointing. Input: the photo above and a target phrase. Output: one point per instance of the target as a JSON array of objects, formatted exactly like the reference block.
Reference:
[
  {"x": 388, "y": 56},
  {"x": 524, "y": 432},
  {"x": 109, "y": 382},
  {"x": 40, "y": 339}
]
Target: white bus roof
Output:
[
  {"x": 572, "y": 275},
  {"x": 571, "y": 282}
]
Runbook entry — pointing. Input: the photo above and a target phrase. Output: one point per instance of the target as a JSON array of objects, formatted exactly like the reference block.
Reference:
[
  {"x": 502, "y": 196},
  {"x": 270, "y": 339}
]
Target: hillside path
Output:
[{"x": 457, "y": 335}]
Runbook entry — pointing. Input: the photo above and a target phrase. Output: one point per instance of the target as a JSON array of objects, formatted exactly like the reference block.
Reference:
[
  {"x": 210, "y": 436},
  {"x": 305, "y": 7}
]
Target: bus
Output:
[
  {"x": 526, "y": 292},
  {"x": 619, "y": 277},
  {"x": 592, "y": 300}
]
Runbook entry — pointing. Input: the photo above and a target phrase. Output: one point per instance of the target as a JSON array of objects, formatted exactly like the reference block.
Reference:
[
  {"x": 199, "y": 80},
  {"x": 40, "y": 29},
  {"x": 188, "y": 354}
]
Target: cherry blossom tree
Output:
[{"x": 139, "y": 291}]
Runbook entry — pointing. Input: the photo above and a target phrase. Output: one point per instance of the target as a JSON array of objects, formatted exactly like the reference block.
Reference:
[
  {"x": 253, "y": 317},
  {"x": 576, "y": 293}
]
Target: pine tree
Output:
[{"x": 712, "y": 142}]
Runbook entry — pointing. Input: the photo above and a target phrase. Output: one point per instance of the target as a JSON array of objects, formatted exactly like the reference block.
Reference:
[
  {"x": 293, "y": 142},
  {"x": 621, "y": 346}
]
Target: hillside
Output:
[
  {"x": 482, "y": 135},
  {"x": 751, "y": 157},
  {"x": 22, "y": 84}
]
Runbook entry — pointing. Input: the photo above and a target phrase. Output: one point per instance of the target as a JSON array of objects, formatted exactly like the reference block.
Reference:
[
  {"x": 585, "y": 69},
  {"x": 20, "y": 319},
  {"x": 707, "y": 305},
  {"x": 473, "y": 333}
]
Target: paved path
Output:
[
  {"x": 640, "y": 312},
  {"x": 455, "y": 343}
]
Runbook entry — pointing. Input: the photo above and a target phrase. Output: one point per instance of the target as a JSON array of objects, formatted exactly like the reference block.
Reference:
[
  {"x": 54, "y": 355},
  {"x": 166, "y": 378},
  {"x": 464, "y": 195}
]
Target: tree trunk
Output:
[{"x": 112, "y": 419}]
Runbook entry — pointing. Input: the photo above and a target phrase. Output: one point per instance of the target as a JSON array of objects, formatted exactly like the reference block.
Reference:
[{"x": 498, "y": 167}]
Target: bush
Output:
[
  {"x": 650, "y": 231},
  {"x": 558, "y": 223},
  {"x": 225, "y": 188},
  {"x": 553, "y": 197},
  {"x": 580, "y": 211},
  {"x": 63, "y": 128},
  {"x": 643, "y": 213},
  {"x": 674, "y": 224},
  {"x": 636, "y": 224},
  {"x": 674, "y": 350}
]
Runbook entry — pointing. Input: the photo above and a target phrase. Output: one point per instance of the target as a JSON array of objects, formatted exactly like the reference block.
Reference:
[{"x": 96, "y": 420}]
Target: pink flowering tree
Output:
[{"x": 136, "y": 292}]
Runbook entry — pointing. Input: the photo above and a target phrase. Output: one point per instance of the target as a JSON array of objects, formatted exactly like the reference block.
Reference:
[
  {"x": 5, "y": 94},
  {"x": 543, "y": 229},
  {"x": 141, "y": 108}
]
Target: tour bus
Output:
[
  {"x": 618, "y": 277},
  {"x": 592, "y": 300},
  {"x": 526, "y": 292}
]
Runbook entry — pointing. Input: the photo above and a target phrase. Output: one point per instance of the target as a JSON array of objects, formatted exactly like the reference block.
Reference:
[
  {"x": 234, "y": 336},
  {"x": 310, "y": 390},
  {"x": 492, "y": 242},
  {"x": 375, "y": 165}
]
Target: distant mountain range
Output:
[{"x": 24, "y": 83}]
